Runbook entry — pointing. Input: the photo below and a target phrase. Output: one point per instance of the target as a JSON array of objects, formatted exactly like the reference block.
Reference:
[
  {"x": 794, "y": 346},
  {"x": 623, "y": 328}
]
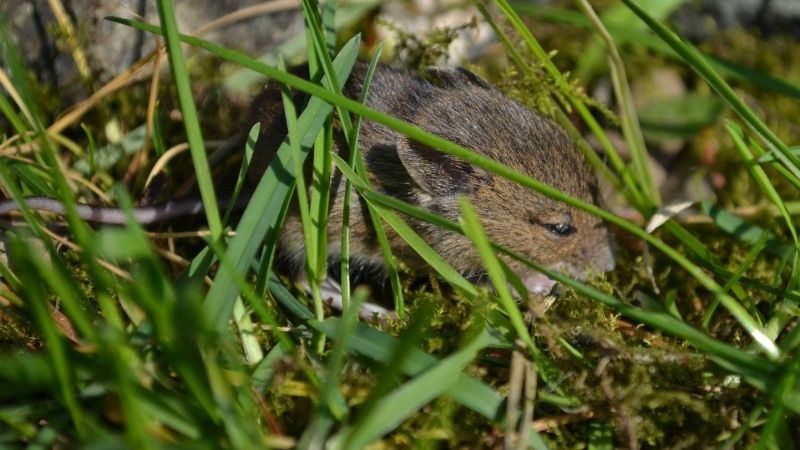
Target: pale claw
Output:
[
  {"x": 331, "y": 292},
  {"x": 537, "y": 283}
]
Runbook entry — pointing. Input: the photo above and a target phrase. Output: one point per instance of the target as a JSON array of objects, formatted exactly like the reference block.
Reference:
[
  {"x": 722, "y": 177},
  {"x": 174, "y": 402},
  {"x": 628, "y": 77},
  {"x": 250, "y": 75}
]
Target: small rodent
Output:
[{"x": 459, "y": 106}]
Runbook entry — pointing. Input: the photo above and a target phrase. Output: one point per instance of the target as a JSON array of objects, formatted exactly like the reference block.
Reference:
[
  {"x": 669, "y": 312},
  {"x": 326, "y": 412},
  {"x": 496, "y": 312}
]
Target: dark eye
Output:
[{"x": 560, "y": 229}]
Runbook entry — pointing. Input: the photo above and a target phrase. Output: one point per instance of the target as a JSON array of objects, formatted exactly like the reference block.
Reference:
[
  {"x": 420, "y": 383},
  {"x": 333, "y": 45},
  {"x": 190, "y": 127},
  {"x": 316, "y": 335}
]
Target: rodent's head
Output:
[{"x": 470, "y": 113}]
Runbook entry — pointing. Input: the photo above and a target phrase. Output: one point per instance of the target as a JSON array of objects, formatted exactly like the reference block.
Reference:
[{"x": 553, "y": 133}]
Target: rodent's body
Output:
[{"x": 456, "y": 105}]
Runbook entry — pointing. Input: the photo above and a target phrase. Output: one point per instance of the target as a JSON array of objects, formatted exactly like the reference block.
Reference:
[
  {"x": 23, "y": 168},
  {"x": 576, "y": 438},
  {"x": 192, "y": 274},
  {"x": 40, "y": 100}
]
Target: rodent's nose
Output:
[{"x": 605, "y": 259}]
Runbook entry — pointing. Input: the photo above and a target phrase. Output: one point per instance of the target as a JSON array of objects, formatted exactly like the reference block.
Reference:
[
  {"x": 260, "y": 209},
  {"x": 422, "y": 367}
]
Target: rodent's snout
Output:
[
  {"x": 596, "y": 257},
  {"x": 603, "y": 257},
  {"x": 605, "y": 254}
]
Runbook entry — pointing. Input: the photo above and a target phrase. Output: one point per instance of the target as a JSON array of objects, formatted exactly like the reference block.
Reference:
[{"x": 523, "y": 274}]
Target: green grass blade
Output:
[
  {"x": 192, "y": 124},
  {"x": 411, "y": 396},
  {"x": 60, "y": 362},
  {"x": 348, "y": 192},
  {"x": 269, "y": 196},
  {"x": 310, "y": 234},
  {"x": 247, "y": 156},
  {"x": 630, "y": 122},
  {"x": 474, "y": 231},
  {"x": 761, "y": 178}
]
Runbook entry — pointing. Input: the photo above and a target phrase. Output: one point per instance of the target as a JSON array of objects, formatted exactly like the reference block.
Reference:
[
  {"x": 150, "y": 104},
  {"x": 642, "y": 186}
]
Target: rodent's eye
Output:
[{"x": 560, "y": 229}]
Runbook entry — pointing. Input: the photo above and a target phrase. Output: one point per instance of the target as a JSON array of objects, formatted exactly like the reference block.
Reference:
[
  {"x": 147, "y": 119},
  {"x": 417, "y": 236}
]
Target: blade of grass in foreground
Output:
[
  {"x": 474, "y": 231},
  {"x": 181, "y": 78},
  {"x": 37, "y": 300},
  {"x": 269, "y": 197},
  {"x": 413, "y": 395},
  {"x": 307, "y": 223},
  {"x": 391, "y": 267},
  {"x": 630, "y": 122},
  {"x": 380, "y": 347}
]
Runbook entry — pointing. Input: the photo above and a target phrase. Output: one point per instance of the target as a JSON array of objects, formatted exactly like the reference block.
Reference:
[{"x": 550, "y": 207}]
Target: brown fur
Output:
[{"x": 456, "y": 105}]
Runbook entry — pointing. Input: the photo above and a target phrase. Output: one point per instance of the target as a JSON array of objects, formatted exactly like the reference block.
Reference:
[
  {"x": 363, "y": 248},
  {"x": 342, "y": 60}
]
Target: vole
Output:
[{"x": 459, "y": 106}]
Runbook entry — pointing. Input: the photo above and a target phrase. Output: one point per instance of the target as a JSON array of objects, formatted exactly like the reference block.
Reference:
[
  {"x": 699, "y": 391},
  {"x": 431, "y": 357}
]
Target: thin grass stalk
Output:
[
  {"x": 311, "y": 13},
  {"x": 475, "y": 232},
  {"x": 320, "y": 200},
  {"x": 13, "y": 118},
  {"x": 303, "y": 203},
  {"x": 20, "y": 81},
  {"x": 348, "y": 187},
  {"x": 630, "y": 121},
  {"x": 383, "y": 242},
  {"x": 319, "y": 50},
  {"x": 191, "y": 123},
  {"x": 316, "y": 50},
  {"x": 241, "y": 178}
]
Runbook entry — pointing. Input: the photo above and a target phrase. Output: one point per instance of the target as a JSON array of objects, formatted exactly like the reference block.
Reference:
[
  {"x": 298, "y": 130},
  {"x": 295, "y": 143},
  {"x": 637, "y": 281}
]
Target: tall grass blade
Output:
[
  {"x": 190, "y": 120},
  {"x": 347, "y": 196},
  {"x": 630, "y": 122},
  {"x": 411, "y": 396},
  {"x": 696, "y": 60},
  {"x": 475, "y": 232},
  {"x": 269, "y": 196}
]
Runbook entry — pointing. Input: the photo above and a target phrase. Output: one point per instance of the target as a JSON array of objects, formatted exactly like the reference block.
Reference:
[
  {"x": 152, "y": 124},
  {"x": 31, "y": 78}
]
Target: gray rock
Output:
[
  {"x": 698, "y": 20},
  {"x": 111, "y": 47}
]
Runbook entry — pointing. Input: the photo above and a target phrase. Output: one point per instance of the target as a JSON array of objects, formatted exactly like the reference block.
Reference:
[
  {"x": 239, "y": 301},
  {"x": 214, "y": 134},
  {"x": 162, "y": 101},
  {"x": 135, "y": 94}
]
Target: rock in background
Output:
[
  {"x": 111, "y": 48},
  {"x": 698, "y": 20}
]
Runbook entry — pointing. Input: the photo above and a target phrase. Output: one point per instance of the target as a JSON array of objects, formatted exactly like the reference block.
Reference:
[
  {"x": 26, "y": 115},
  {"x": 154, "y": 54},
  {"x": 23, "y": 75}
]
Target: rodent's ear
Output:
[
  {"x": 438, "y": 173},
  {"x": 457, "y": 77}
]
